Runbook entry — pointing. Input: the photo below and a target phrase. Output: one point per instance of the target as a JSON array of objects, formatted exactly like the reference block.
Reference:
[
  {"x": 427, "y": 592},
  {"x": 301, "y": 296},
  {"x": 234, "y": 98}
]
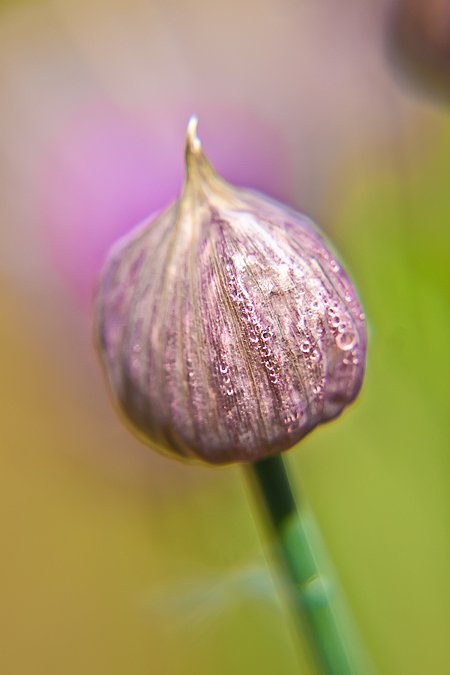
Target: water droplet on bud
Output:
[
  {"x": 346, "y": 341},
  {"x": 315, "y": 355}
]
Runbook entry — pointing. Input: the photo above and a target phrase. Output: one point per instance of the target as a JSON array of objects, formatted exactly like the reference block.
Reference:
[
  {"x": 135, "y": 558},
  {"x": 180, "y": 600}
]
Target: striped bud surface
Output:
[{"x": 226, "y": 326}]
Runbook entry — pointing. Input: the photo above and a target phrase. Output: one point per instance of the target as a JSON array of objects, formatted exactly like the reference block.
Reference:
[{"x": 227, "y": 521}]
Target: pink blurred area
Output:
[{"x": 106, "y": 170}]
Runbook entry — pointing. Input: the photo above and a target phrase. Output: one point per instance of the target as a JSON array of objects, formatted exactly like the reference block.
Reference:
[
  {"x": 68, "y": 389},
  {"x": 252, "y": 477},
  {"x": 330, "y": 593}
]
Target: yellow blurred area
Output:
[{"x": 83, "y": 552}]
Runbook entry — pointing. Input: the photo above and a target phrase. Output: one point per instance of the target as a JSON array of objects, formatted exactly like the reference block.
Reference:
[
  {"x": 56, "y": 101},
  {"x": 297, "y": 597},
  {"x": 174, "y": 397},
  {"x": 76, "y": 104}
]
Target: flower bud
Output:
[{"x": 226, "y": 327}]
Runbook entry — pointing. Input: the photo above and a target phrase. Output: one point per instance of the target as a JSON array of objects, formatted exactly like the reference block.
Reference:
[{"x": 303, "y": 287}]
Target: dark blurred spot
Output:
[{"x": 419, "y": 45}]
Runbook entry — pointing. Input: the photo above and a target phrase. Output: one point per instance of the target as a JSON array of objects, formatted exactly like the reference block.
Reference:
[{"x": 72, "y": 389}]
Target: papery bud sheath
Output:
[{"x": 226, "y": 326}]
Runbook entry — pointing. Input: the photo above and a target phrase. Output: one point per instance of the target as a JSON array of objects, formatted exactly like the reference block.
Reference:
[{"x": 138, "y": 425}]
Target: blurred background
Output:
[{"x": 115, "y": 560}]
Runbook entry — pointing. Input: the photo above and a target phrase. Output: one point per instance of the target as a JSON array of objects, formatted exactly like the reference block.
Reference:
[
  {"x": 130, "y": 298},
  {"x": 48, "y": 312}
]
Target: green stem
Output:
[{"x": 309, "y": 574}]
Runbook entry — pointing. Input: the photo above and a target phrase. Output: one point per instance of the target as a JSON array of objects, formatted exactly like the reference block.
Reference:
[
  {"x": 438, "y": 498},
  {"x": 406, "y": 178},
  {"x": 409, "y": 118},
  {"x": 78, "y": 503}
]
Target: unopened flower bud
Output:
[{"x": 226, "y": 326}]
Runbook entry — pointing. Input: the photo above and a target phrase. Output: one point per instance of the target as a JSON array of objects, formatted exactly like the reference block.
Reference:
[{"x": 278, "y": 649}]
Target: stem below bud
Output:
[{"x": 309, "y": 575}]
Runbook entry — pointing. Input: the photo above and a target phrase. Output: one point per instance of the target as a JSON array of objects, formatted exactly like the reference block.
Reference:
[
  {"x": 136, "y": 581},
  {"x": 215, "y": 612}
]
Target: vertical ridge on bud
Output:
[{"x": 226, "y": 326}]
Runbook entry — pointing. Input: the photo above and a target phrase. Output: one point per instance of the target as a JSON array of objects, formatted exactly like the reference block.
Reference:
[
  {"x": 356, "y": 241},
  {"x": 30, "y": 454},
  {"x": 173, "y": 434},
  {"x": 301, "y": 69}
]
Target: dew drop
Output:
[
  {"x": 223, "y": 369},
  {"x": 266, "y": 351},
  {"x": 335, "y": 321},
  {"x": 334, "y": 266},
  {"x": 346, "y": 341},
  {"x": 266, "y": 335},
  {"x": 305, "y": 347},
  {"x": 230, "y": 392},
  {"x": 314, "y": 304},
  {"x": 137, "y": 348},
  {"x": 315, "y": 355},
  {"x": 362, "y": 316},
  {"x": 291, "y": 421}
]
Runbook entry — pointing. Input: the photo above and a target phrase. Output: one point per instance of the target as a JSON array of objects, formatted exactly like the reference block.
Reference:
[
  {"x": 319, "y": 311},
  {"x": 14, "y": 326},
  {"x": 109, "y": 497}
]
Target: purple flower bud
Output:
[{"x": 226, "y": 326}]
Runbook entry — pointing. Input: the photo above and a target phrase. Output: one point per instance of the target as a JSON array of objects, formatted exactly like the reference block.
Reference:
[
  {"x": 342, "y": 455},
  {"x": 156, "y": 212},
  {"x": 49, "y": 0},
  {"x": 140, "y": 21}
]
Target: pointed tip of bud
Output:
[
  {"x": 193, "y": 144},
  {"x": 199, "y": 170},
  {"x": 193, "y": 151}
]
